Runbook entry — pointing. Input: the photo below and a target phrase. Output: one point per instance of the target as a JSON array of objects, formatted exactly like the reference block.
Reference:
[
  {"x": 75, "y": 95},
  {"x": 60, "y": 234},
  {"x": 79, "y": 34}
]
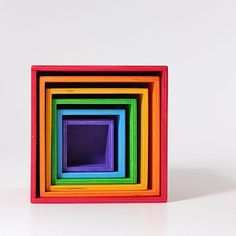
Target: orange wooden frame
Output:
[{"x": 155, "y": 131}]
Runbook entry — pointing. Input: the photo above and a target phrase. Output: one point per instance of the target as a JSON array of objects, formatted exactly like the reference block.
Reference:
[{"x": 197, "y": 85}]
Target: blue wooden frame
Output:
[{"x": 121, "y": 172}]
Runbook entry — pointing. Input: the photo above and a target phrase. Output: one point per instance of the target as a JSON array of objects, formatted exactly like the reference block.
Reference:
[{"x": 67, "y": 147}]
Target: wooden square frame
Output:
[
  {"x": 85, "y": 189},
  {"x": 63, "y": 131},
  {"x": 132, "y": 120},
  {"x": 85, "y": 177},
  {"x": 151, "y": 74}
]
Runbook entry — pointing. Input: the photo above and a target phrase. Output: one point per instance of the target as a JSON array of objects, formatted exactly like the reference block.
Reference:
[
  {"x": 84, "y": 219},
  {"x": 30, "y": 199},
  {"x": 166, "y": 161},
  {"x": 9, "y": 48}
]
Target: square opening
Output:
[{"x": 88, "y": 145}]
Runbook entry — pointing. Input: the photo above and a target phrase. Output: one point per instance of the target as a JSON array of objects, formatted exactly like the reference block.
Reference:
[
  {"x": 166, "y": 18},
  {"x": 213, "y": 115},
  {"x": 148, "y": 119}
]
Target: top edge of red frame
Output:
[{"x": 100, "y": 68}]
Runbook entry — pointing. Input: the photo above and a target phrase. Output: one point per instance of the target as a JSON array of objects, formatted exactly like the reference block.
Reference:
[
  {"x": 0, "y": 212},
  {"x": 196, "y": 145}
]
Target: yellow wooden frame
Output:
[{"x": 144, "y": 139}]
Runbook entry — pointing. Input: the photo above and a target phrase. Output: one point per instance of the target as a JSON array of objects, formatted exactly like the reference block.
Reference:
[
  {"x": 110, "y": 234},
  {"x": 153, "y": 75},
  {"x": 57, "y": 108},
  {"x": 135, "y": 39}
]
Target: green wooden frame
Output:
[{"x": 132, "y": 107}]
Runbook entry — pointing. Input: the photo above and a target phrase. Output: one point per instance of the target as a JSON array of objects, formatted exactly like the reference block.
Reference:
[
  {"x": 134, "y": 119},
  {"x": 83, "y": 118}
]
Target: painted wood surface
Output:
[
  {"x": 90, "y": 150},
  {"x": 144, "y": 140},
  {"x": 132, "y": 104},
  {"x": 160, "y": 77},
  {"x": 132, "y": 139},
  {"x": 84, "y": 177}
]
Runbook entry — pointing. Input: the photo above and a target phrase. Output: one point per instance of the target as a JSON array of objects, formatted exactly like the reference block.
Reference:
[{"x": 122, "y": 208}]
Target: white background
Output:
[{"x": 196, "y": 39}]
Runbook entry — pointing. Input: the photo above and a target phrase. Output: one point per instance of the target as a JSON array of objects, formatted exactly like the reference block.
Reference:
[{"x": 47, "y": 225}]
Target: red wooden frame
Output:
[{"x": 161, "y": 71}]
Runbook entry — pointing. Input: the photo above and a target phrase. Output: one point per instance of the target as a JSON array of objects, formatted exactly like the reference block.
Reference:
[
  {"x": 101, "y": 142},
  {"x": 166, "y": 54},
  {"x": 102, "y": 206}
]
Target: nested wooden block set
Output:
[{"x": 99, "y": 134}]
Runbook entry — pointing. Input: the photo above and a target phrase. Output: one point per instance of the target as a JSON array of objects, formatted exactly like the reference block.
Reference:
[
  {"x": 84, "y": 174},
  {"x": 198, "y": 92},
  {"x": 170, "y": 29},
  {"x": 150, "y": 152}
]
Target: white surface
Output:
[{"x": 196, "y": 39}]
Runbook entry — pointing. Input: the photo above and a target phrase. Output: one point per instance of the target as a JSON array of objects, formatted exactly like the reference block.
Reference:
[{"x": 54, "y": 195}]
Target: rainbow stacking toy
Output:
[{"x": 99, "y": 134}]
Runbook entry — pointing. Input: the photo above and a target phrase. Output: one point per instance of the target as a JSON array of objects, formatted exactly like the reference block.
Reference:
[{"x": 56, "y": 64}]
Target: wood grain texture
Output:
[
  {"x": 132, "y": 104},
  {"x": 71, "y": 91},
  {"x": 93, "y": 164},
  {"x": 100, "y": 199},
  {"x": 92, "y": 177},
  {"x": 144, "y": 138},
  {"x": 153, "y": 74},
  {"x": 34, "y": 140},
  {"x": 143, "y": 130}
]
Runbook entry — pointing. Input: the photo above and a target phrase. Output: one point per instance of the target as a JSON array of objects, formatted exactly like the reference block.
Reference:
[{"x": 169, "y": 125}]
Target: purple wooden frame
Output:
[{"x": 95, "y": 145}]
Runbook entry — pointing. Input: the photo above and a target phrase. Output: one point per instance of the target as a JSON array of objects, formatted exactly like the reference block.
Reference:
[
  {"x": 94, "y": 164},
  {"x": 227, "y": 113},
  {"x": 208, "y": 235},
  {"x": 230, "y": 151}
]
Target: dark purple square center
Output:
[{"x": 86, "y": 144}]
